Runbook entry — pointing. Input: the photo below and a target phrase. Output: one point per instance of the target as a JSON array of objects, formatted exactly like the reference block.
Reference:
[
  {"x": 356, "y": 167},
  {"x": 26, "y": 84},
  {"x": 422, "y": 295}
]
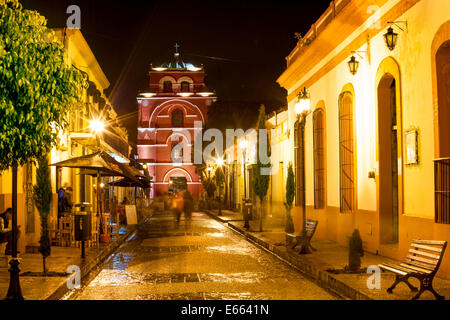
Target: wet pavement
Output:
[{"x": 200, "y": 260}]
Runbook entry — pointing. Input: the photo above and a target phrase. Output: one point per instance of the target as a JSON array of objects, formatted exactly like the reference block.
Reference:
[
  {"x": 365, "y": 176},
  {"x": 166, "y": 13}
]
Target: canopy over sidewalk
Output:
[{"x": 100, "y": 163}]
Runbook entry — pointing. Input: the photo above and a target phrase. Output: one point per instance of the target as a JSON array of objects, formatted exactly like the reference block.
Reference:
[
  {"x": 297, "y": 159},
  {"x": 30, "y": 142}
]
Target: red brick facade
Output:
[{"x": 167, "y": 116}]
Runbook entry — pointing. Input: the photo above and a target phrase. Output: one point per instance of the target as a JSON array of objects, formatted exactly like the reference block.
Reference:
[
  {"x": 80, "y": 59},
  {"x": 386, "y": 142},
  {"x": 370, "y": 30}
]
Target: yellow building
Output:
[
  {"x": 377, "y": 138},
  {"x": 77, "y": 141},
  {"x": 278, "y": 126}
]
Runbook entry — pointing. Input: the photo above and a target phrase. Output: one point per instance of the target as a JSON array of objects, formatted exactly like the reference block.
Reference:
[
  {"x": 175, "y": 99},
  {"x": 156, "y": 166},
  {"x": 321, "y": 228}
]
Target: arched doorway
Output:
[
  {"x": 441, "y": 102},
  {"x": 388, "y": 147},
  {"x": 443, "y": 95},
  {"x": 177, "y": 183}
]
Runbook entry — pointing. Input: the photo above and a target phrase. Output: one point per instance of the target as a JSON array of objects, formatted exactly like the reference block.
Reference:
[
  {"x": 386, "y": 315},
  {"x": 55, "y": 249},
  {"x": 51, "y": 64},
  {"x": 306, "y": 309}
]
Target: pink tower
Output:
[{"x": 170, "y": 112}]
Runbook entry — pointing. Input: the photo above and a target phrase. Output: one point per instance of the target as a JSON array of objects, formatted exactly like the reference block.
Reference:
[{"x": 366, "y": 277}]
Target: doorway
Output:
[
  {"x": 389, "y": 159},
  {"x": 177, "y": 184}
]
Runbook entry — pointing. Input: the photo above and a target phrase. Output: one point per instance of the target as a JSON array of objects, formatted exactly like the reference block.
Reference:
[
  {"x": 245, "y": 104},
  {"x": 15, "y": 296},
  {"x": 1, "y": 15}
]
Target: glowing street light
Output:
[
  {"x": 97, "y": 125},
  {"x": 303, "y": 105},
  {"x": 244, "y": 144}
]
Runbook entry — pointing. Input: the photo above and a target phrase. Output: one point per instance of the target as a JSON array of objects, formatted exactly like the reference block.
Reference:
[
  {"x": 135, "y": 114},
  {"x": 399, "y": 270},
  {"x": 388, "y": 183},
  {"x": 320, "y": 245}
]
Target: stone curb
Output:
[
  {"x": 93, "y": 263},
  {"x": 323, "y": 278}
]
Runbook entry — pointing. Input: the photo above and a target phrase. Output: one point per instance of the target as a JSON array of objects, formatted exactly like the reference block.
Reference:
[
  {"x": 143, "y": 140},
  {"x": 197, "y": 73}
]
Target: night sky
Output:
[{"x": 242, "y": 44}]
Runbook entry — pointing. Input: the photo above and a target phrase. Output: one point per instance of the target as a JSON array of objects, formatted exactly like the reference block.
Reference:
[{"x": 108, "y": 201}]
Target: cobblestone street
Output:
[{"x": 201, "y": 261}]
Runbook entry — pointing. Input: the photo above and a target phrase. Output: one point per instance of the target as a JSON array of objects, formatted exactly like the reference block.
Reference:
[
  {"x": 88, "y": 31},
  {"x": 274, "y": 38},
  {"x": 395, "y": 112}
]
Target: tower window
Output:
[
  {"x": 167, "y": 86},
  {"x": 177, "y": 118},
  {"x": 185, "y": 86}
]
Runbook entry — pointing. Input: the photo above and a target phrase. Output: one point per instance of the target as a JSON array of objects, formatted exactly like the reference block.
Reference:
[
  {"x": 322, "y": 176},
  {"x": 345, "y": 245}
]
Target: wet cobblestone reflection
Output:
[{"x": 206, "y": 261}]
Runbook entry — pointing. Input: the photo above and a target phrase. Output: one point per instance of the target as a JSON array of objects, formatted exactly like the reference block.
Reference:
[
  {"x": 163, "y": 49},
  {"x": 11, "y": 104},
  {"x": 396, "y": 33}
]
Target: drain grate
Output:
[
  {"x": 171, "y": 249},
  {"x": 172, "y": 234},
  {"x": 171, "y": 278},
  {"x": 206, "y": 296}
]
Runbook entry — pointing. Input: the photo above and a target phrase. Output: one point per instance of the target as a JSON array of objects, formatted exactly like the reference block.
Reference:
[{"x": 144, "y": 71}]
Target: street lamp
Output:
[
  {"x": 98, "y": 126},
  {"x": 353, "y": 64},
  {"x": 14, "y": 290},
  {"x": 244, "y": 146},
  {"x": 219, "y": 163},
  {"x": 302, "y": 109},
  {"x": 390, "y": 37}
]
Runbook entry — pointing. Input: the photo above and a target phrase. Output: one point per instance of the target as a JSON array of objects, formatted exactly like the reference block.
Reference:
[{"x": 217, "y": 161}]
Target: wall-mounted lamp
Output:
[
  {"x": 353, "y": 64},
  {"x": 390, "y": 37},
  {"x": 304, "y": 102}
]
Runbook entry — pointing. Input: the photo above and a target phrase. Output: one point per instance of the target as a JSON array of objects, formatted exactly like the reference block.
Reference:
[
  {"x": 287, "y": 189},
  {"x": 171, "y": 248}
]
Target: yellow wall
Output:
[{"x": 326, "y": 79}]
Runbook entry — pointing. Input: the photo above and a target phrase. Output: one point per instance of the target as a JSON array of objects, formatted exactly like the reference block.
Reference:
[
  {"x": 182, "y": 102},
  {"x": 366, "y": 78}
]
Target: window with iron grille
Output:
[
  {"x": 442, "y": 165},
  {"x": 319, "y": 159},
  {"x": 346, "y": 153}
]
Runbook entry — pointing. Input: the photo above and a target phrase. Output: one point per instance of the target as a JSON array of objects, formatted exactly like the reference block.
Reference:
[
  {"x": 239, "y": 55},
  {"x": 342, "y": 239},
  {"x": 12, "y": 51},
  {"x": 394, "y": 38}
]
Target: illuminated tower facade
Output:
[{"x": 170, "y": 112}]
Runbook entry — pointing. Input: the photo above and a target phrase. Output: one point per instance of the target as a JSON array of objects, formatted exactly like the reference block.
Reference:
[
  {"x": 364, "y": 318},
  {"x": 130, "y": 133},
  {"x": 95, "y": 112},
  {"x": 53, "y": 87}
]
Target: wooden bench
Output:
[
  {"x": 304, "y": 238},
  {"x": 422, "y": 262}
]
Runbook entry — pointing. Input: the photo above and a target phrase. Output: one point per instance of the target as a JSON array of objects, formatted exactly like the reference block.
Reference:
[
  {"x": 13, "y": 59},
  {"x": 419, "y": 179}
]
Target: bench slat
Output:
[
  {"x": 293, "y": 235},
  {"x": 415, "y": 268},
  {"x": 434, "y": 249},
  {"x": 392, "y": 269},
  {"x": 425, "y": 254},
  {"x": 427, "y": 261},
  {"x": 398, "y": 267},
  {"x": 422, "y": 265},
  {"x": 433, "y": 242}
]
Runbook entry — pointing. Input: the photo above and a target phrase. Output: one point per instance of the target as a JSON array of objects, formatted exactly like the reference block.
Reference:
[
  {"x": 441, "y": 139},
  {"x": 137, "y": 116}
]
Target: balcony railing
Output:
[{"x": 442, "y": 190}]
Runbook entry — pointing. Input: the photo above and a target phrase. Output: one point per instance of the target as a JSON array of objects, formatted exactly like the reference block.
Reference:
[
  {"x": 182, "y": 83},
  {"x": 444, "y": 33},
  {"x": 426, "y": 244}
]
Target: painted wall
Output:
[{"x": 326, "y": 80}]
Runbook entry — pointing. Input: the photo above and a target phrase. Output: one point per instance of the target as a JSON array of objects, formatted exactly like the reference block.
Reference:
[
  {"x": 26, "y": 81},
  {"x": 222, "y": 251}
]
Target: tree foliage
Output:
[
  {"x": 290, "y": 186},
  {"x": 219, "y": 177},
  {"x": 209, "y": 186},
  {"x": 290, "y": 194},
  {"x": 42, "y": 198},
  {"x": 261, "y": 181},
  {"x": 37, "y": 87}
]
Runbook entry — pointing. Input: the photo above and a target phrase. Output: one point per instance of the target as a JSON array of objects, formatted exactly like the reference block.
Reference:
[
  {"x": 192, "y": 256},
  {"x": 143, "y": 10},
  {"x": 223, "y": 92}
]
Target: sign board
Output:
[{"x": 131, "y": 214}]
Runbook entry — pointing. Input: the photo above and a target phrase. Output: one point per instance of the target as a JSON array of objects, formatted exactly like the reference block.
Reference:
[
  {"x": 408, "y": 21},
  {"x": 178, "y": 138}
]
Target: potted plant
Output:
[
  {"x": 290, "y": 194},
  {"x": 355, "y": 252}
]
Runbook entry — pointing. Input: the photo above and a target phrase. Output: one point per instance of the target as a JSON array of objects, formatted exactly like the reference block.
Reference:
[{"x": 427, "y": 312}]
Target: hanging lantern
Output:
[
  {"x": 390, "y": 37},
  {"x": 304, "y": 102},
  {"x": 353, "y": 65}
]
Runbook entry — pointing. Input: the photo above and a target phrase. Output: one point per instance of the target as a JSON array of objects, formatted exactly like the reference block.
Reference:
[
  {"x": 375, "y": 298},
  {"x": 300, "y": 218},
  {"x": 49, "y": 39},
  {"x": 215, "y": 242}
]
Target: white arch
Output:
[
  {"x": 167, "y": 78},
  {"x": 185, "y": 78},
  {"x": 176, "y": 106},
  {"x": 172, "y": 101},
  {"x": 174, "y": 169},
  {"x": 179, "y": 133}
]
